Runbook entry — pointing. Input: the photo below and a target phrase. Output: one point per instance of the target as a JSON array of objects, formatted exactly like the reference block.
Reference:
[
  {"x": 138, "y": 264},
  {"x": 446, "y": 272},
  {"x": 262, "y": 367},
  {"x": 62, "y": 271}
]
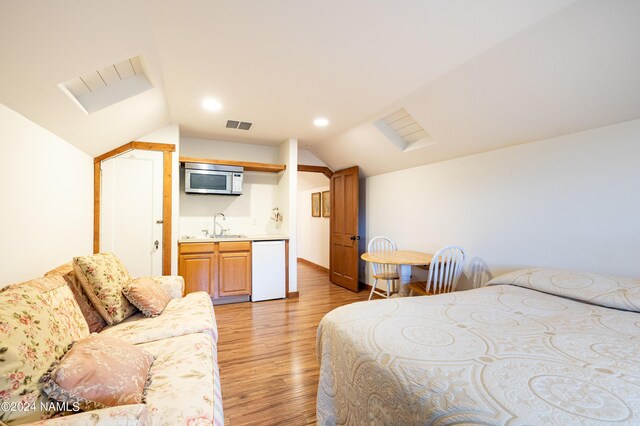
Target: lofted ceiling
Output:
[
  {"x": 476, "y": 75},
  {"x": 46, "y": 43},
  {"x": 280, "y": 64},
  {"x": 574, "y": 71}
]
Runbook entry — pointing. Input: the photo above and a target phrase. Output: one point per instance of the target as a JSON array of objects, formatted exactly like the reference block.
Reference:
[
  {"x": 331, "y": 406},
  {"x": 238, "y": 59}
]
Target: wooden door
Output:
[
  {"x": 235, "y": 273},
  {"x": 343, "y": 257},
  {"x": 198, "y": 271}
]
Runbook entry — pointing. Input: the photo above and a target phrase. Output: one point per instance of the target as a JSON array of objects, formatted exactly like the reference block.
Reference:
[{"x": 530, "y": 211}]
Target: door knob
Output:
[
  {"x": 355, "y": 237},
  {"x": 157, "y": 244}
]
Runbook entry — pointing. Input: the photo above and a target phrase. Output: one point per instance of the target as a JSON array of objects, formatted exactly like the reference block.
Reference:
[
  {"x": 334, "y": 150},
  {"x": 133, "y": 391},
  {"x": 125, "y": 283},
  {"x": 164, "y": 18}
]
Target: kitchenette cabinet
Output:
[
  {"x": 197, "y": 264},
  {"x": 221, "y": 269},
  {"x": 235, "y": 268}
]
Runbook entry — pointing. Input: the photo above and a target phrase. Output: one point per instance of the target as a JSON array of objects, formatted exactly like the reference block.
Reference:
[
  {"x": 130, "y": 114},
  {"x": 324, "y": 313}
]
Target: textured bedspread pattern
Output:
[{"x": 509, "y": 353}]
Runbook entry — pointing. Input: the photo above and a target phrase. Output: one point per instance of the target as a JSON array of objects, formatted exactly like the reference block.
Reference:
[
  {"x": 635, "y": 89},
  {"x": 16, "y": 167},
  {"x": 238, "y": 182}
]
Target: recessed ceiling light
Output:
[
  {"x": 321, "y": 122},
  {"x": 211, "y": 104}
]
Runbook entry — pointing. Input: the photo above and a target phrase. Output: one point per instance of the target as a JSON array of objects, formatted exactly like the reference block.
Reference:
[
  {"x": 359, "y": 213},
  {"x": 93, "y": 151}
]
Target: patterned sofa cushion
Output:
[
  {"x": 99, "y": 372},
  {"x": 185, "y": 382},
  {"x": 102, "y": 277},
  {"x": 39, "y": 319},
  {"x": 190, "y": 314},
  {"x": 123, "y": 415},
  {"x": 147, "y": 295},
  {"x": 91, "y": 315},
  {"x": 173, "y": 283}
]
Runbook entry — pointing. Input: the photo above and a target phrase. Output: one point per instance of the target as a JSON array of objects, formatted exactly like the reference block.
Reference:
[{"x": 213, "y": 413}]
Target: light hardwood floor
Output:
[{"x": 266, "y": 353}]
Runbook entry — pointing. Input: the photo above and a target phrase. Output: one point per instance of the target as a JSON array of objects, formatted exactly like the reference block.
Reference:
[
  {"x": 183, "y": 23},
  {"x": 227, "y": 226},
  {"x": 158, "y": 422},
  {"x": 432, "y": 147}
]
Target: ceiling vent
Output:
[
  {"x": 404, "y": 131},
  {"x": 241, "y": 125},
  {"x": 101, "y": 88}
]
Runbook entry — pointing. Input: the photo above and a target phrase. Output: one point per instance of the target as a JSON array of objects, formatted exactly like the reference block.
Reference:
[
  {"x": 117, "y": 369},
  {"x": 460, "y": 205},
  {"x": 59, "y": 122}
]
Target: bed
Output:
[{"x": 535, "y": 346}]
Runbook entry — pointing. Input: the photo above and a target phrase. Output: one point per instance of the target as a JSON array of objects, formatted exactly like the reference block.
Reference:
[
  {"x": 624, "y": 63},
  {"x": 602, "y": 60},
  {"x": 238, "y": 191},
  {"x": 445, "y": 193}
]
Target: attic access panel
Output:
[
  {"x": 404, "y": 131},
  {"x": 107, "y": 86}
]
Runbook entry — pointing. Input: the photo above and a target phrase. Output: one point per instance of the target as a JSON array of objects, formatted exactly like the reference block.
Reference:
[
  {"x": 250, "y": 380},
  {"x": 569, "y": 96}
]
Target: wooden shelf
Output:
[{"x": 248, "y": 165}]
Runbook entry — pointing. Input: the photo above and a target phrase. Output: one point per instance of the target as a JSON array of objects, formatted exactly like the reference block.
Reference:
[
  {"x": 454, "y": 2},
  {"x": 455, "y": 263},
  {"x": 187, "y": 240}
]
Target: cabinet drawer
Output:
[
  {"x": 235, "y": 246},
  {"x": 197, "y": 248}
]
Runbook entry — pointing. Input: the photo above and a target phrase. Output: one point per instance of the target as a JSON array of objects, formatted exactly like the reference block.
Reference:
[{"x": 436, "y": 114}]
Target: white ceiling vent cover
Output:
[
  {"x": 101, "y": 88},
  {"x": 241, "y": 125},
  {"x": 404, "y": 131}
]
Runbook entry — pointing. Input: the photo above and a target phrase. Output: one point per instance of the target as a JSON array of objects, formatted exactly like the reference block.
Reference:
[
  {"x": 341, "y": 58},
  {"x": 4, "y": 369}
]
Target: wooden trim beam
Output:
[
  {"x": 146, "y": 146},
  {"x": 166, "y": 212},
  {"x": 248, "y": 165},
  {"x": 315, "y": 169},
  {"x": 154, "y": 146},
  {"x": 96, "y": 206},
  {"x": 117, "y": 151}
]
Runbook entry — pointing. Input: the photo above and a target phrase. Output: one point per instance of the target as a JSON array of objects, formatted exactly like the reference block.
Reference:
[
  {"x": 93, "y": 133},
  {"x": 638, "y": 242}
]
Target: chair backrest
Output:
[
  {"x": 445, "y": 269},
  {"x": 479, "y": 272},
  {"x": 382, "y": 245}
]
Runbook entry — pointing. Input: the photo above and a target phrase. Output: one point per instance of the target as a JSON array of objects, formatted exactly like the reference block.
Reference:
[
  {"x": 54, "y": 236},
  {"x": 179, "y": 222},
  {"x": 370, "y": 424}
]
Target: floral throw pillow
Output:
[
  {"x": 91, "y": 315},
  {"x": 38, "y": 321},
  {"x": 147, "y": 295},
  {"x": 102, "y": 277},
  {"x": 99, "y": 372}
]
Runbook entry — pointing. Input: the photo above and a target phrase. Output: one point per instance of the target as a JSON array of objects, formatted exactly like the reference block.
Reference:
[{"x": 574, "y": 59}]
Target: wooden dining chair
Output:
[
  {"x": 444, "y": 272},
  {"x": 382, "y": 271}
]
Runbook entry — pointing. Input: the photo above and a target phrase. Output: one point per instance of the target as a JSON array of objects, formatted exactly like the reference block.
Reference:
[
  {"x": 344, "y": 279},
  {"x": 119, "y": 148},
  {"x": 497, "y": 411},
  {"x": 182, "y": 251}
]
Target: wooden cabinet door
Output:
[
  {"x": 198, "y": 271},
  {"x": 235, "y": 273}
]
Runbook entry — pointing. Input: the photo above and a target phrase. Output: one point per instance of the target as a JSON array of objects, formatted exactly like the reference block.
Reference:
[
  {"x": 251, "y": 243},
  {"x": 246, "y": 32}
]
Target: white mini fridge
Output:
[{"x": 267, "y": 270}]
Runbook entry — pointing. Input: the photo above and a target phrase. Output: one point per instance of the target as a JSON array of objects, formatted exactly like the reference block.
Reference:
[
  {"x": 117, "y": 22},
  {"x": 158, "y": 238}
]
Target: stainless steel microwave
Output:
[{"x": 212, "y": 179}]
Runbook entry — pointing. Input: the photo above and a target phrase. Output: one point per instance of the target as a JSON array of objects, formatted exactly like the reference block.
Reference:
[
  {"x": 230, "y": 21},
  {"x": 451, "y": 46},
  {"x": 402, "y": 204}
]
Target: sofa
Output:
[{"x": 42, "y": 318}]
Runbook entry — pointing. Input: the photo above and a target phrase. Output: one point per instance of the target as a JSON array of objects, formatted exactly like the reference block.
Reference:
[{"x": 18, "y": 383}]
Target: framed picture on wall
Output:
[
  {"x": 326, "y": 204},
  {"x": 315, "y": 204}
]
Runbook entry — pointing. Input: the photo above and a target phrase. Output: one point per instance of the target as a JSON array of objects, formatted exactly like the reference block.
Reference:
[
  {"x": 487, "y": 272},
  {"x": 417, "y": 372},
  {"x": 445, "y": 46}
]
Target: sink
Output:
[{"x": 209, "y": 237}]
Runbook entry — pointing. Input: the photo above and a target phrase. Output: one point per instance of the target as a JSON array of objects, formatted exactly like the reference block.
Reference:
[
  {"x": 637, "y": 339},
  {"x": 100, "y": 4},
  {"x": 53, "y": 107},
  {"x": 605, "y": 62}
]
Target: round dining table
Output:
[{"x": 405, "y": 259}]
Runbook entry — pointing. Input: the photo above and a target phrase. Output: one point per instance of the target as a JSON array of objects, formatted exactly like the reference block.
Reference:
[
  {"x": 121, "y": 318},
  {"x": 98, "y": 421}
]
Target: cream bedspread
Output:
[{"x": 496, "y": 355}]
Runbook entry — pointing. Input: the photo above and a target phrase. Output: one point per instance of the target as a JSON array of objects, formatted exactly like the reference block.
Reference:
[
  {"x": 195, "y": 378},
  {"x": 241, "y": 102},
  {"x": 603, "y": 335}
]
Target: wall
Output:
[
  {"x": 247, "y": 214},
  {"x": 309, "y": 158},
  {"x": 288, "y": 198},
  {"x": 223, "y": 150},
  {"x": 567, "y": 202},
  {"x": 313, "y": 232},
  {"x": 171, "y": 135},
  {"x": 251, "y": 212},
  {"x": 46, "y": 188}
]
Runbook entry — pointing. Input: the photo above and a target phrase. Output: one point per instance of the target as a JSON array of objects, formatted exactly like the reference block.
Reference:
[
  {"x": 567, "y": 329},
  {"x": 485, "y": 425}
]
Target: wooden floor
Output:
[{"x": 266, "y": 353}]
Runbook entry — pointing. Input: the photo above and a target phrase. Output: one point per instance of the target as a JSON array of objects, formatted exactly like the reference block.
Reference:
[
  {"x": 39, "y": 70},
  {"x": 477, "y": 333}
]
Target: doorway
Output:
[
  {"x": 131, "y": 210},
  {"x": 312, "y": 226},
  {"x": 343, "y": 200},
  {"x": 148, "y": 171}
]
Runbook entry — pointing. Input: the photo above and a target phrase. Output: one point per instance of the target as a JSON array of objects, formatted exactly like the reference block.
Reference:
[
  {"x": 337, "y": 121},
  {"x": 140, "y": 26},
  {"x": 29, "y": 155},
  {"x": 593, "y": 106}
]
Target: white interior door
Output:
[{"x": 131, "y": 210}]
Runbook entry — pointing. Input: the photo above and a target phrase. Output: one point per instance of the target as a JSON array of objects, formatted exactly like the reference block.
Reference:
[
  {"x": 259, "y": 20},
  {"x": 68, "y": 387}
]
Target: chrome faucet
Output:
[{"x": 215, "y": 225}]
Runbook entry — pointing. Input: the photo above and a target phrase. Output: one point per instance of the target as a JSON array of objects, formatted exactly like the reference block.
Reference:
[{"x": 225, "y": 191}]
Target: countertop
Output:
[{"x": 269, "y": 237}]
